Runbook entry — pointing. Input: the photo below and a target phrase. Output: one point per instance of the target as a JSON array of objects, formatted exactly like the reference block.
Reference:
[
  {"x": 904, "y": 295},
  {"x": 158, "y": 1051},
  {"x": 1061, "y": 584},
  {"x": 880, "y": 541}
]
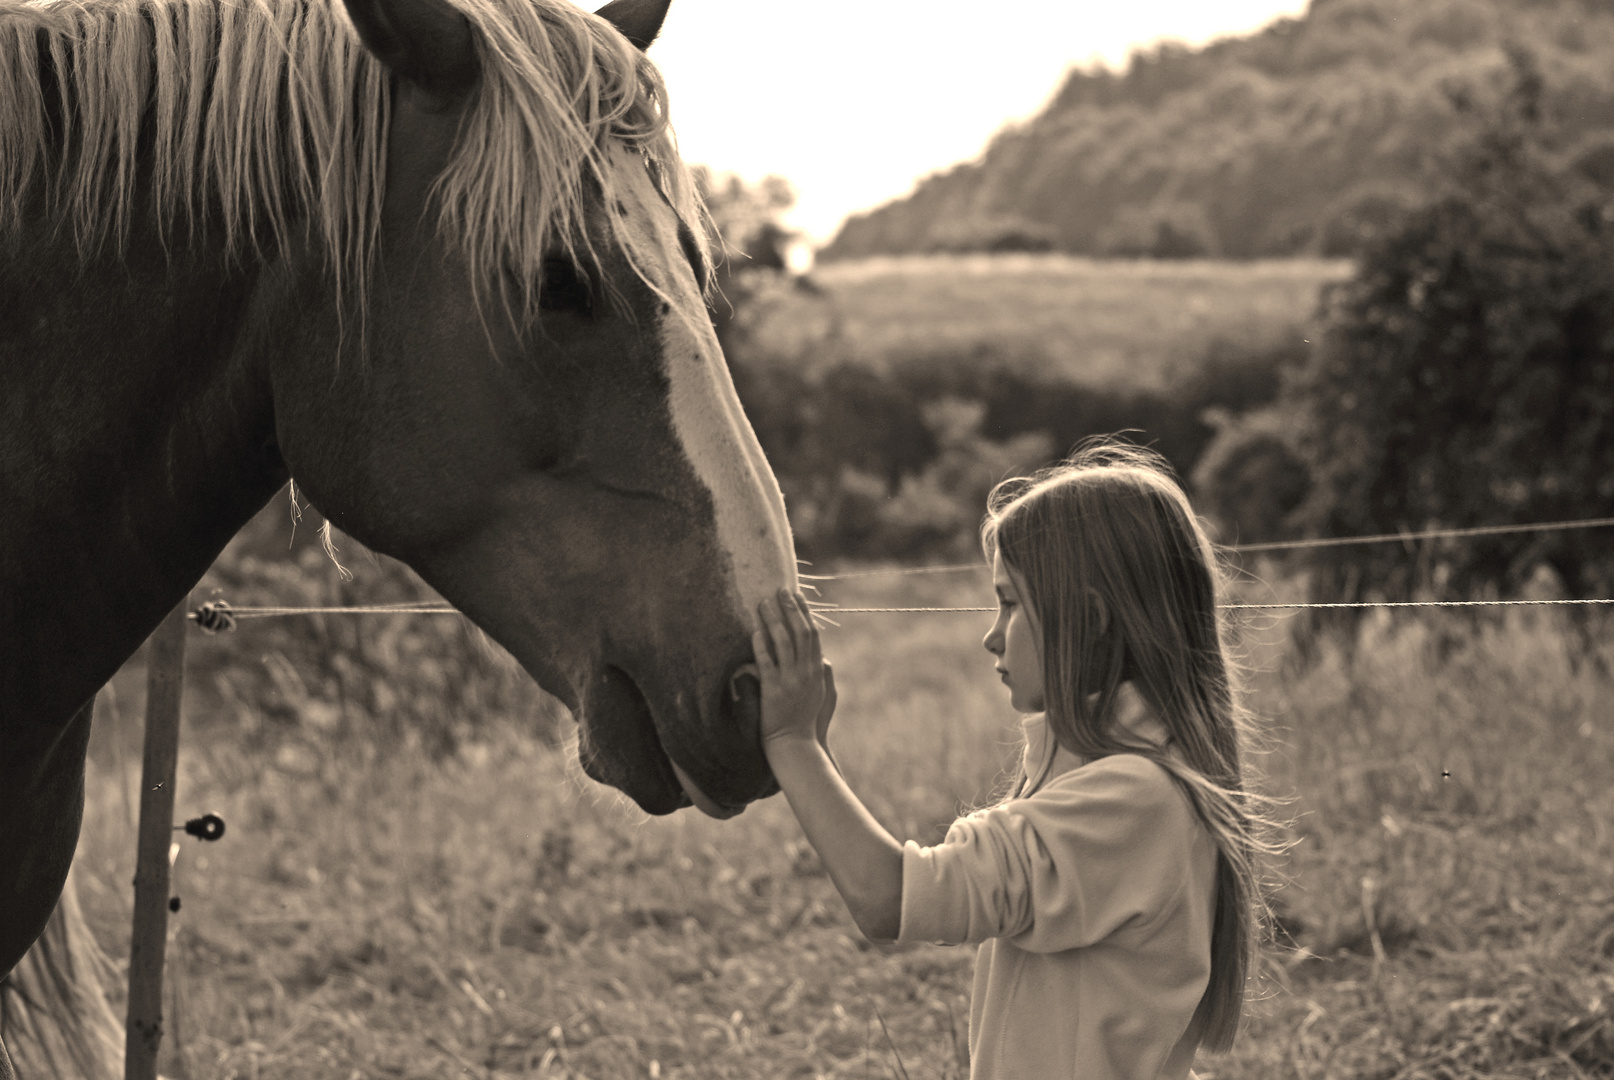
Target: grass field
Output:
[
  {"x": 371, "y": 913},
  {"x": 1107, "y": 323},
  {"x": 377, "y": 911}
]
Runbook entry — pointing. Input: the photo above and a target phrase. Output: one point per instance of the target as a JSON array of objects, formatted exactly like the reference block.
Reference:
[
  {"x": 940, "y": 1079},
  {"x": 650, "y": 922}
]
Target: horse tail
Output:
[{"x": 54, "y": 1015}]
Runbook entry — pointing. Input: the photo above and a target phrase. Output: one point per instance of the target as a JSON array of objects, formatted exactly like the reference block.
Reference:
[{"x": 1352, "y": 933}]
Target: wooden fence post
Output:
[{"x": 165, "y": 685}]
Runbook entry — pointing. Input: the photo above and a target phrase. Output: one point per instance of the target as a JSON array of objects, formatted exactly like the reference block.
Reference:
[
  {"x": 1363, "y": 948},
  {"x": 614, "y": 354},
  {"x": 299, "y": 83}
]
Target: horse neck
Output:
[{"x": 135, "y": 439}]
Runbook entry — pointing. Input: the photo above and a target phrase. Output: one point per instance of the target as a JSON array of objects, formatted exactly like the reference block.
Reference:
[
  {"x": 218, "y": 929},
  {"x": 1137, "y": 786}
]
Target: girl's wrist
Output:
[{"x": 791, "y": 743}]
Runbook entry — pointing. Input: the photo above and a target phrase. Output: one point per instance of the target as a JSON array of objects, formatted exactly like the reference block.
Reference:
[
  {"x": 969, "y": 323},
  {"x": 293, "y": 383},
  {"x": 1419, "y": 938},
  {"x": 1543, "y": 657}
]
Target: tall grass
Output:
[
  {"x": 384, "y": 912},
  {"x": 1451, "y": 897}
]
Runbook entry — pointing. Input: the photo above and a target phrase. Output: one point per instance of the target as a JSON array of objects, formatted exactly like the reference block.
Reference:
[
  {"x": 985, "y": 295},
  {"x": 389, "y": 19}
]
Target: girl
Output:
[{"x": 1114, "y": 893}]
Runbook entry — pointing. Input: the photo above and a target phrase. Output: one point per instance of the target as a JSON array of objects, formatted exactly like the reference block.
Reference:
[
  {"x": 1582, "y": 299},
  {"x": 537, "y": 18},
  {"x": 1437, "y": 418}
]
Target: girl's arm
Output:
[{"x": 864, "y": 861}]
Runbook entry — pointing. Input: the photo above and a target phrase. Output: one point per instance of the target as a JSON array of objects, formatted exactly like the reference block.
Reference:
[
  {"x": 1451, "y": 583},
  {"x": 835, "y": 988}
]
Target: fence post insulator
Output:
[{"x": 214, "y": 617}]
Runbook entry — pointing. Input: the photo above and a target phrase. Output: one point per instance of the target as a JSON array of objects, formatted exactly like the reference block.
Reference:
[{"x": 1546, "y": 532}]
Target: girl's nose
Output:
[{"x": 993, "y": 642}]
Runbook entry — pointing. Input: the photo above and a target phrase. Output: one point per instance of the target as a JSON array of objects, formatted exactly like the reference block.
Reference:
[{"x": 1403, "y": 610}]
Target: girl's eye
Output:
[{"x": 563, "y": 288}]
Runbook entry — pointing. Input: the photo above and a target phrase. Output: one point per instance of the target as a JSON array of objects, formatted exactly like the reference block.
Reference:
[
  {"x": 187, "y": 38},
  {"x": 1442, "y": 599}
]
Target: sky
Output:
[{"x": 854, "y": 101}]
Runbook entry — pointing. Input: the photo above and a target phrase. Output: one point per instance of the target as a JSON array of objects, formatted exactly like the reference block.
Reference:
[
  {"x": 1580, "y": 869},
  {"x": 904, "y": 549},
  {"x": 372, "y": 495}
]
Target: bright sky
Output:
[{"x": 853, "y": 101}]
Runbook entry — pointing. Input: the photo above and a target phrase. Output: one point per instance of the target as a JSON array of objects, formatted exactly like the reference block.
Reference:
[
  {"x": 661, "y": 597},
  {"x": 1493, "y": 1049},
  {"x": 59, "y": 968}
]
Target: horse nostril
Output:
[
  {"x": 742, "y": 714},
  {"x": 743, "y": 700},
  {"x": 738, "y": 688}
]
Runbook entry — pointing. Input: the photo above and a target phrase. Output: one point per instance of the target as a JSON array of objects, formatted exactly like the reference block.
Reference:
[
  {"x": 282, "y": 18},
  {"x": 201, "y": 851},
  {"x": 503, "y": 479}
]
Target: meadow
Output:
[
  {"x": 379, "y": 908},
  {"x": 1114, "y": 323}
]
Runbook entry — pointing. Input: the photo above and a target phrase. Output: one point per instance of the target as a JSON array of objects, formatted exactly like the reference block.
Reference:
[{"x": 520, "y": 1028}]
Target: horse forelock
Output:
[
  {"x": 561, "y": 93},
  {"x": 276, "y": 113}
]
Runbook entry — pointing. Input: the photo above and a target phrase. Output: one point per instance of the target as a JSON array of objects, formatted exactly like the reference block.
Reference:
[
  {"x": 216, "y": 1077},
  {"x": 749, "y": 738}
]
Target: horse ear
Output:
[
  {"x": 424, "y": 41},
  {"x": 638, "y": 20}
]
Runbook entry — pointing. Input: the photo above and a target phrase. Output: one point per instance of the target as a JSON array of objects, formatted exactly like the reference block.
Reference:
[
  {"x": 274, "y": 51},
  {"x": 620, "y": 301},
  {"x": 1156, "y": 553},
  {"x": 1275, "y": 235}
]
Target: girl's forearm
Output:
[{"x": 864, "y": 861}]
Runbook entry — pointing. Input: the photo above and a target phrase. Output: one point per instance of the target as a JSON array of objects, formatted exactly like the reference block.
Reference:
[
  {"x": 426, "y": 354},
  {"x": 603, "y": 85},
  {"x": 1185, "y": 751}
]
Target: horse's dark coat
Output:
[{"x": 152, "y": 400}]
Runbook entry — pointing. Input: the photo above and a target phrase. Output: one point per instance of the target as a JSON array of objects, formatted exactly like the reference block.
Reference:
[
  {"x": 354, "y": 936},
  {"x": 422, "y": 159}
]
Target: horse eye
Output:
[{"x": 563, "y": 288}]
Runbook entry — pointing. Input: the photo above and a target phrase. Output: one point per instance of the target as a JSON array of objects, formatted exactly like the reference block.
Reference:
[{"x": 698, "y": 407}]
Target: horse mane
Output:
[{"x": 271, "y": 114}]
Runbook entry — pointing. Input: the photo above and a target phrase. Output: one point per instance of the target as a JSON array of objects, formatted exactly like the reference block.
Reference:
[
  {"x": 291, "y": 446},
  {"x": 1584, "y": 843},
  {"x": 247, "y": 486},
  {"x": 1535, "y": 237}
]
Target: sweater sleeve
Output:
[{"x": 1101, "y": 846}]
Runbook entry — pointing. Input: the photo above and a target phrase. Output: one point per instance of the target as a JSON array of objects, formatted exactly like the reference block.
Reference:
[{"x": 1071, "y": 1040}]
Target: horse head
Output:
[{"x": 530, "y": 407}]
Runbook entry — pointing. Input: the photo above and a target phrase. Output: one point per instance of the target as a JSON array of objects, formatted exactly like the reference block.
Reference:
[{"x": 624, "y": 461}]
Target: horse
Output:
[{"x": 436, "y": 261}]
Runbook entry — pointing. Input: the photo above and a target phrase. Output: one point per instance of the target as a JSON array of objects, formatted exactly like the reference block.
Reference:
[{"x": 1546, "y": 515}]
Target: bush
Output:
[
  {"x": 1466, "y": 375},
  {"x": 1250, "y": 479},
  {"x": 1362, "y": 220}
]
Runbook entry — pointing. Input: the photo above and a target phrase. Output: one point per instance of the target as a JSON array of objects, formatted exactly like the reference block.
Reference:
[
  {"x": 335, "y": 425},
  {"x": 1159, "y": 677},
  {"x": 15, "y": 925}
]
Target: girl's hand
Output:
[{"x": 798, "y": 688}]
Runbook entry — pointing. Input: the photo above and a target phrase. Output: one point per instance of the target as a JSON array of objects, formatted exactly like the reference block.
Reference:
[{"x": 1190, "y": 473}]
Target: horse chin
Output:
[
  {"x": 618, "y": 717},
  {"x": 702, "y": 802},
  {"x": 619, "y": 746}
]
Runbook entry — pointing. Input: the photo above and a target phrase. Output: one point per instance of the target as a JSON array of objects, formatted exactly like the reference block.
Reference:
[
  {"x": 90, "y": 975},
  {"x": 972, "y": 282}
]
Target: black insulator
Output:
[
  {"x": 214, "y": 616},
  {"x": 206, "y": 827}
]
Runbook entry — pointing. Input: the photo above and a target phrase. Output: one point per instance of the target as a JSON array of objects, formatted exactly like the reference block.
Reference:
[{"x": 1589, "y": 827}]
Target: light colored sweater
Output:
[{"x": 1092, "y": 901}]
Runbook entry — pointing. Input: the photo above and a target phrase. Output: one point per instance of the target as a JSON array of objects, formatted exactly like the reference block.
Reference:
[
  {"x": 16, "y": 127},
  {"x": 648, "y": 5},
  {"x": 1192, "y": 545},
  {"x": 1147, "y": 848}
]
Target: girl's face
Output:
[{"x": 1016, "y": 641}]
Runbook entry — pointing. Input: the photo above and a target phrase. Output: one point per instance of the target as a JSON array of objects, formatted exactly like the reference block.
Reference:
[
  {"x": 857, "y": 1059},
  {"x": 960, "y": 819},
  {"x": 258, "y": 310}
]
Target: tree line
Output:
[{"x": 1305, "y": 138}]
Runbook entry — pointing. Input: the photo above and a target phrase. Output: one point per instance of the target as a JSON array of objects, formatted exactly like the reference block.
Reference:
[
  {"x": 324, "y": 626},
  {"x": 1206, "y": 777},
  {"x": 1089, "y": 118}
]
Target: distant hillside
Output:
[{"x": 1300, "y": 139}]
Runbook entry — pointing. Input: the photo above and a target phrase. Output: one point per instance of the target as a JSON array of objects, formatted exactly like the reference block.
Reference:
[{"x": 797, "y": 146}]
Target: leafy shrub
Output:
[
  {"x": 1250, "y": 479},
  {"x": 936, "y": 511},
  {"x": 1362, "y": 218},
  {"x": 1466, "y": 376}
]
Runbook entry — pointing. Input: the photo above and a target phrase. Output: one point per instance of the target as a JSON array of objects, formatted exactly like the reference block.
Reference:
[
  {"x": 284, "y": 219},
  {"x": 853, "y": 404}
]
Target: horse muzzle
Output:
[{"x": 625, "y": 743}]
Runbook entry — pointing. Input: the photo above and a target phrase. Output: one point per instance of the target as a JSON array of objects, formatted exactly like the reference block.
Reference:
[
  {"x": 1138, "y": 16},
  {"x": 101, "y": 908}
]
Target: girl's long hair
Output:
[{"x": 1123, "y": 582}]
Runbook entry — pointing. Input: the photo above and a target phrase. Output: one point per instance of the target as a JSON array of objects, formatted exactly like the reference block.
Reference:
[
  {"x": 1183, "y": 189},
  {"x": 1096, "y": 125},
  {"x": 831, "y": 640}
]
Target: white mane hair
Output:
[{"x": 272, "y": 114}]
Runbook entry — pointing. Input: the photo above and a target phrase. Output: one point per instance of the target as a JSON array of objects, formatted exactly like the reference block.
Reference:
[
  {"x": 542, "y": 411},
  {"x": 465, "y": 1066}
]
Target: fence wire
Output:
[
  {"x": 1284, "y": 545},
  {"x": 219, "y": 615}
]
